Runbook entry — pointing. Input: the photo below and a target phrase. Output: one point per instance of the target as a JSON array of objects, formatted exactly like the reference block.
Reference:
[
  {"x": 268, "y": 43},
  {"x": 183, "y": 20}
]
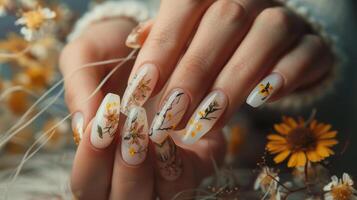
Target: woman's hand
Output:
[{"x": 206, "y": 58}]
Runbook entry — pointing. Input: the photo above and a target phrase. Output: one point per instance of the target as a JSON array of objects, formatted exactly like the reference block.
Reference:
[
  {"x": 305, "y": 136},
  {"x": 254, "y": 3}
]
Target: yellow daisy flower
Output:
[
  {"x": 132, "y": 151},
  {"x": 36, "y": 23},
  {"x": 302, "y": 142}
]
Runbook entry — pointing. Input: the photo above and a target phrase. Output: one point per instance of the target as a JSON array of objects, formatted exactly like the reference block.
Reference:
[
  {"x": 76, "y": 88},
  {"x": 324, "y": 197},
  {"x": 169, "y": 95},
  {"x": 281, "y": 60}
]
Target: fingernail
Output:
[
  {"x": 169, "y": 115},
  {"x": 135, "y": 137},
  {"x": 140, "y": 87},
  {"x": 77, "y": 127},
  {"x": 168, "y": 160},
  {"x": 265, "y": 89},
  {"x": 135, "y": 39},
  {"x": 205, "y": 116},
  {"x": 106, "y": 121}
]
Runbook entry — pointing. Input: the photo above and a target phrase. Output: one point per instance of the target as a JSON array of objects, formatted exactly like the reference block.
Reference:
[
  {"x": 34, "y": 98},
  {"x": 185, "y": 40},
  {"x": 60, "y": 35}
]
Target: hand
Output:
[
  {"x": 100, "y": 173},
  {"x": 196, "y": 63}
]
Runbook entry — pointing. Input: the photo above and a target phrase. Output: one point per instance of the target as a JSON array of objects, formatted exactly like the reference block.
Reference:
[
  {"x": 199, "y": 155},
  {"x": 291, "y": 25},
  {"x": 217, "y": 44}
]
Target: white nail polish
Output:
[
  {"x": 140, "y": 87},
  {"x": 168, "y": 160},
  {"x": 106, "y": 121},
  {"x": 265, "y": 89},
  {"x": 205, "y": 116},
  {"x": 169, "y": 115},
  {"x": 77, "y": 127},
  {"x": 135, "y": 138}
]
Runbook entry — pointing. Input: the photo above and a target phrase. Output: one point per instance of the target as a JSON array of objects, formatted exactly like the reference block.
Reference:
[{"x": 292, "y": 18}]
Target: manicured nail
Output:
[
  {"x": 265, "y": 89},
  {"x": 77, "y": 127},
  {"x": 135, "y": 138},
  {"x": 169, "y": 115},
  {"x": 205, "y": 116},
  {"x": 136, "y": 38},
  {"x": 106, "y": 121},
  {"x": 140, "y": 87},
  {"x": 168, "y": 160}
]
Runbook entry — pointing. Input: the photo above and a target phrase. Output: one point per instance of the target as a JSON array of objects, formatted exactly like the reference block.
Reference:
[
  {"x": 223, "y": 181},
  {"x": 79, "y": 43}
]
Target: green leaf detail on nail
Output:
[{"x": 100, "y": 131}]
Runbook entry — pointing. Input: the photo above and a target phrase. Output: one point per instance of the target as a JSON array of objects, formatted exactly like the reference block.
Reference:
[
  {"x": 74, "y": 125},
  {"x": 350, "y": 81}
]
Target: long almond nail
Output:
[
  {"x": 169, "y": 115},
  {"x": 106, "y": 121},
  {"x": 135, "y": 138},
  {"x": 205, "y": 116},
  {"x": 169, "y": 161},
  {"x": 77, "y": 127},
  {"x": 136, "y": 38},
  {"x": 265, "y": 89},
  {"x": 140, "y": 87}
]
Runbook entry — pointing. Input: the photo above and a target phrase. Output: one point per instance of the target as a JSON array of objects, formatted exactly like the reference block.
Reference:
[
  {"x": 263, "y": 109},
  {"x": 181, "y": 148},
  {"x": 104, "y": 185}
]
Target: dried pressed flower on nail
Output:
[
  {"x": 302, "y": 141},
  {"x": 37, "y": 23},
  {"x": 136, "y": 133},
  {"x": 265, "y": 90},
  {"x": 111, "y": 117},
  {"x": 340, "y": 189}
]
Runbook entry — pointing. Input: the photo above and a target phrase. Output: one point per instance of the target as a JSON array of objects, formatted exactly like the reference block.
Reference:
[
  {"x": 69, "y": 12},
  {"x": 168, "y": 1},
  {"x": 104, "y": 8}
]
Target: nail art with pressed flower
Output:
[
  {"x": 140, "y": 87},
  {"x": 169, "y": 115},
  {"x": 77, "y": 127},
  {"x": 135, "y": 137},
  {"x": 205, "y": 116},
  {"x": 136, "y": 38},
  {"x": 106, "y": 121},
  {"x": 168, "y": 159},
  {"x": 265, "y": 89}
]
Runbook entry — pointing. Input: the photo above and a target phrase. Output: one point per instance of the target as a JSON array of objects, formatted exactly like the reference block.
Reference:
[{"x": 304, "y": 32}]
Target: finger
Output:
[
  {"x": 179, "y": 169},
  {"x": 93, "y": 164},
  {"x": 133, "y": 173},
  {"x": 274, "y": 31},
  {"x": 303, "y": 66},
  {"x": 227, "y": 22},
  {"x": 168, "y": 37},
  {"x": 107, "y": 43}
]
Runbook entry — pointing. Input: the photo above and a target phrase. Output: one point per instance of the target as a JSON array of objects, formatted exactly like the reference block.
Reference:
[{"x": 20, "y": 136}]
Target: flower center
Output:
[
  {"x": 342, "y": 192},
  {"x": 34, "y": 19},
  {"x": 301, "y": 139}
]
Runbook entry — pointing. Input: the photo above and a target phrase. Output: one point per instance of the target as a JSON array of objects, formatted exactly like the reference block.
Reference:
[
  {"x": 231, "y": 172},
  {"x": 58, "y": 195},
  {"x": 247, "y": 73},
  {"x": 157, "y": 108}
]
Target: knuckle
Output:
[
  {"x": 228, "y": 10},
  {"x": 196, "y": 64},
  {"x": 163, "y": 39},
  {"x": 277, "y": 18},
  {"x": 82, "y": 50},
  {"x": 315, "y": 41}
]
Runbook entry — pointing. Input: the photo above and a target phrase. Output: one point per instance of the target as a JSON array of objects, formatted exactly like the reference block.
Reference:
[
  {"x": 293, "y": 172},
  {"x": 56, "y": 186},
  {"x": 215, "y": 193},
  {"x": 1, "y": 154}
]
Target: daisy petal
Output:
[
  {"x": 328, "y": 135},
  {"x": 282, "y": 156},
  {"x": 293, "y": 160},
  {"x": 276, "y": 137},
  {"x": 282, "y": 129},
  {"x": 328, "y": 143},
  {"x": 347, "y": 179},
  {"x": 301, "y": 159},
  {"x": 313, "y": 156}
]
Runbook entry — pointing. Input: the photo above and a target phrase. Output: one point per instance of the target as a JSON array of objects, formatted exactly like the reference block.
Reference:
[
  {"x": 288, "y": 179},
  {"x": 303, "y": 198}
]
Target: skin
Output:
[{"x": 198, "y": 46}]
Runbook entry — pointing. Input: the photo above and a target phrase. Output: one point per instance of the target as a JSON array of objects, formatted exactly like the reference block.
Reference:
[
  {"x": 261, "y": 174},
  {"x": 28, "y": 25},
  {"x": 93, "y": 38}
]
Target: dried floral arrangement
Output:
[{"x": 31, "y": 93}]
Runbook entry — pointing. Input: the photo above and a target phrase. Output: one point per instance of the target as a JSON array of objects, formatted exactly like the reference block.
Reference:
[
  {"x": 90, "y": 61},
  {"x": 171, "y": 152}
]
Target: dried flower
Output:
[
  {"x": 37, "y": 23},
  {"x": 3, "y": 7},
  {"x": 340, "y": 189},
  {"x": 265, "y": 180},
  {"x": 303, "y": 141}
]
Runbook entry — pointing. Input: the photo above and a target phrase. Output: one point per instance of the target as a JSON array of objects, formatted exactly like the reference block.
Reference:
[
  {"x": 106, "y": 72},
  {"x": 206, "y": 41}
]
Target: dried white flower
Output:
[
  {"x": 340, "y": 189},
  {"x": 37, "y": 23}
]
